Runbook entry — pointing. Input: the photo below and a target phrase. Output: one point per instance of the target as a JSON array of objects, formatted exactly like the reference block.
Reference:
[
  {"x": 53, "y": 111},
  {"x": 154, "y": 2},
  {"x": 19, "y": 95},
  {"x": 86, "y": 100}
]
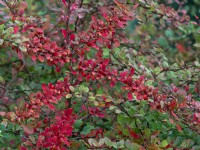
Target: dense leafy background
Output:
[{"x": 166, "y": 51}]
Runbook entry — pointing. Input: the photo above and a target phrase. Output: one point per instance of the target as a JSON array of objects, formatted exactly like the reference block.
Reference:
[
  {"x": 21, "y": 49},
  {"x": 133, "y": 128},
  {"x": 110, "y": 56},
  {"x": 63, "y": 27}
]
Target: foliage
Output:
[{"x": 91, "y": 74}]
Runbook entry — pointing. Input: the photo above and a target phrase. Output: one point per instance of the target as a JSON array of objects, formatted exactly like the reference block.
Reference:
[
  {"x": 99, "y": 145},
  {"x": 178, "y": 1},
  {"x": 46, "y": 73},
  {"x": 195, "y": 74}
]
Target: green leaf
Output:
[
  {"x": 108, "y": 142},
  {"x": 197, "y": 45},
  {"x": 2, "y": 27},
  {"x": 87, "y": 129},
  {"x": 17, "y": 41},
  {"x": 20, "y": 103},
  {"x": 163, "y": 42},
  {"x": 123, "y": 119},
  {"x": 78, "y": 124},
  {"x": 169, "y": 33},
  {"x": 147, "y": 132},
  {"x": 118, "y": 111},
  {"x": 72, "y": 88},
  {"x": 68, "y": 96},
  {"x": 1, "y": 41},
  {"x": 72, "y": 26},
  {"x": 83, "y": 89},
  {"x": 86, "y": 90},
  {"x": 23, "y": 48},
  {"x": 106, "y": 52},
  {"x": 10, "y": 30},
  {"x": 165, "y": 64},
  {"x": 91, "y": 98},
  {"x": 163, "y": 144}
]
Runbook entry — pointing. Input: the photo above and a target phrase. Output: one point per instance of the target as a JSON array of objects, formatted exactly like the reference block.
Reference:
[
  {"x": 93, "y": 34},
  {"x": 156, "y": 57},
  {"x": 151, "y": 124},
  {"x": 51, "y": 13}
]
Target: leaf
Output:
[
  {"x": 130, "y": 96},
  {"x": 181, "y": 47},
  {"x": 68, "y": 96},
  {"x": 23, "y": 48},
  {"x": 22, "y": 6},
  {"x": 134, "y": 135},
  {"x": 163, "y": 144},
  {"x": 132, "y": 71},
  {"x": 91, "y": 98},
  {"x": 112, "y": 84},
  {"x": 123, "y": 119},
  {"x": 33, "y": 57},
  {"x": 163, "y": 42},
  {"x": 27, "y": 129},
  {"x": 72, "y": 37},
  {"x": 64, "y": 33},
  {"x": 197, "y": 45},
  {"x": 20, "y": 103},
  {"x": 41, "y": 58},
  {"x": 1, "y": 41},
  {"x": 51, "y": 107},
  {"x": 112, "y": 107},
  {"x": 15, "y": 29},
  {"x": 106, "y": 52},
  {"x": 179, "y": 127},
  {"x": 169, "y": 33},
  {"x": 72, "y": 27},
  {"x": 135, "y": 6},
  {"x": 64, "y": 2},
  {"x": 3, "y": 3},
  {"x": 72, "y": 88},
  {"x": 87, "y": 129},
  {"x": 10, "y": 30},
  {"x": 118, "y": 111},
  {"x": 108, "y": 142},
  {"x": 96, "y": 103},
  {"x": 85, "y": 89},
  {"x": 2, "y": 28},
  {"x": 18, "y": 41},
  {"x": 78, "y": 124}
]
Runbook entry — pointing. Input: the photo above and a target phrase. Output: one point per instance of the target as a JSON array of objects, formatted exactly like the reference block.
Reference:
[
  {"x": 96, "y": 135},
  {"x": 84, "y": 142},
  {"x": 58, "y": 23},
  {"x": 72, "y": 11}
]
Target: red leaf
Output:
[
  {"x": 20, "y": 55},
  {"x": 23, "y": 148},
  {"x": 44, "y": 87},
  {"x": 139, "y": 97},
  {"x": 73, "y": 7},
  {"x": 15, "y": 29},
  {"x": 130, "y": 96},
  {"x": 33, "y": 57},
  {"x": 173, "y": 104},
  {"x": 51, "y": 107},
  {"x": 72, "y": 37},
  {"x": 123, "y": 74},
  {"x": 2, "y": 114},
  {"x": 132, "y": 71},
  {"x": 174, "y": 115},
  {"x": 64, "y": 33},
  {"x": 28, "y": 129},
  {"x": 106, "y": 62},
  {"x": 39, "y": 30},
  {"x": 66, "y": 141},
  {"x": 133, "y": 134},
  {"x": 171, "y": 120},
  {"x": 180, "y": 47},
  {"x": 179, "y": 127},
  {"x": 64, "y": 2},
  {"x": 41, "y": 58},
  {"x": 112, "y": 83},
  {"x": 135, "y": 6},
  {"x": 68, "y": 111},
  {"x": 3, "y": 3}
]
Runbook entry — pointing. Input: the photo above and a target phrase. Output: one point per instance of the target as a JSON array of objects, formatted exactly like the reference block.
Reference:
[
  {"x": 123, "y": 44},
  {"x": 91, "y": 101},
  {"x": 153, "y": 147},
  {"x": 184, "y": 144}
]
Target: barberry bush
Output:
[{"x": 99, "y": 74}]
